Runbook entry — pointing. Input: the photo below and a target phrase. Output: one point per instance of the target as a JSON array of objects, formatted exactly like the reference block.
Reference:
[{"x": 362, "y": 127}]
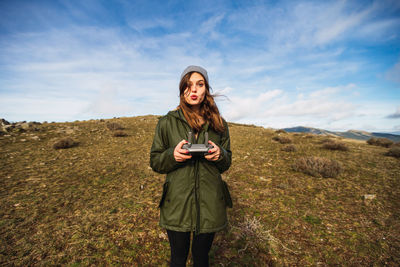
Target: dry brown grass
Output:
[
  {"x": 318, "y": 166},
  {"x": 380, "y": 142},
  {"x": 96, "y": 204}
]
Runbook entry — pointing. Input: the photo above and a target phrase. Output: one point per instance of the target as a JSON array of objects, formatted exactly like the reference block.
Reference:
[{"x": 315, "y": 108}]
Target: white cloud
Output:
[
  {"x": 307, "y": 25},
  {"x": 394, "y": 73},
  {"x": 143, "y": 25},
  {"x": 395, "y": 115},
  {"x": 276, "y": 107},
  {"x": 108, "y": 104},
  {"x": 326, "y": 92},
  {"x": 40, "y": 108},
  {"x": 225, "y": 91},
  {"x": 247, "y": 107},
  {"x": 382, "y": 30},
  {"x": 338, "y": 23},
  {"x": 209, "y": 25}
]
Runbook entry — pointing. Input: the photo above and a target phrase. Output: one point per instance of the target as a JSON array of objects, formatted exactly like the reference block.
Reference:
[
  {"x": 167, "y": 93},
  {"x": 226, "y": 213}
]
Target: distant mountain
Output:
[{"x": 352, "y": 134}]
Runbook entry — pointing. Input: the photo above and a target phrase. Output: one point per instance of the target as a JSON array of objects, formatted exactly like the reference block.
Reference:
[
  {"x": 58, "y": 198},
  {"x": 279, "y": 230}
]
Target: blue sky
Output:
[{"x": 325, "y": 64}]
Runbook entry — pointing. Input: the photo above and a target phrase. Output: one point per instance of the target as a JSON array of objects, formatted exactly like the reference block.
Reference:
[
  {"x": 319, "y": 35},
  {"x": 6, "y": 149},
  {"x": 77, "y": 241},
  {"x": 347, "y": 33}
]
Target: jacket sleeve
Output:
[
  {"x": 161, "y": 155},
  {"x": 225, "y": 159}
]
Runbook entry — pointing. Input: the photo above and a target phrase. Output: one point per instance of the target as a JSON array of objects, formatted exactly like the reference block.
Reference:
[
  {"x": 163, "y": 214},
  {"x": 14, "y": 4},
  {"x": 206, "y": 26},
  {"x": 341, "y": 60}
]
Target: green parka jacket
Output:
[{"x": 194, "y": 195}]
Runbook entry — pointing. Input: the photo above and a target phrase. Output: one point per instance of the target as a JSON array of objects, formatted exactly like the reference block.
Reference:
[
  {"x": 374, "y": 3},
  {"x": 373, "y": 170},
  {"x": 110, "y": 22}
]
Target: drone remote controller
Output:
[{"x": 197, "y": 149}]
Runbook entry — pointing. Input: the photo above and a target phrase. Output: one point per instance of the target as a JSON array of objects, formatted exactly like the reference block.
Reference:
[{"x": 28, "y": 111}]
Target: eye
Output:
[{"x": 200, "y": 84}]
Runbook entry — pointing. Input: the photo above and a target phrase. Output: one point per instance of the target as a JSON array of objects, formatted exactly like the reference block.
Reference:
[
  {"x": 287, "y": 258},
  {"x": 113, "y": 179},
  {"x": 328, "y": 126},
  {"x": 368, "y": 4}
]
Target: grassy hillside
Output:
[
  {"x": 96, "y": 203},
  {"x": 351, "y": 134}
]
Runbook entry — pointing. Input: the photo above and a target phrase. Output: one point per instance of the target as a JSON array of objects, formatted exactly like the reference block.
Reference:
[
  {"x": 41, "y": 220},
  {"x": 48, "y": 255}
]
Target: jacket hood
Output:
[{"x": 177, "y": 113}]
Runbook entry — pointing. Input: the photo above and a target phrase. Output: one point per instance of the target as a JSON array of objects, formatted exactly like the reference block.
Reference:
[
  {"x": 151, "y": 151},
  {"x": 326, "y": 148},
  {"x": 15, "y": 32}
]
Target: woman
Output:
[{"x": 194, "y": 196}]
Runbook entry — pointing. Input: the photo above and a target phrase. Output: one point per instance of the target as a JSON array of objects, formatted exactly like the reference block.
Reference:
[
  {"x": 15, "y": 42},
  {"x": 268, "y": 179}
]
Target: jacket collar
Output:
[{"x": 177, "y": 113}]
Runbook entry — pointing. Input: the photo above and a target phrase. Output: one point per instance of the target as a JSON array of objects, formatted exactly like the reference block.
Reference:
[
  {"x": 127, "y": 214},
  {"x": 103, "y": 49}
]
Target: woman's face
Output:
[{"x": 196, "y": 89}]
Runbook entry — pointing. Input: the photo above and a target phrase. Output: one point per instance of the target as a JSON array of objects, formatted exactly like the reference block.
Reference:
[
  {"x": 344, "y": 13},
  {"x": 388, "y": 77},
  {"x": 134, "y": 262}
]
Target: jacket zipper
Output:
[
  {"x": 197, "y": 196},
  {"x": 196, "y": 183},
  {"x": 197, "y": 191}
]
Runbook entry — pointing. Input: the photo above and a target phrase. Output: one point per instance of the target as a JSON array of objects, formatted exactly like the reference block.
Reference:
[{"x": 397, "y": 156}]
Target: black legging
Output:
[{"x": 180, "y": 243}]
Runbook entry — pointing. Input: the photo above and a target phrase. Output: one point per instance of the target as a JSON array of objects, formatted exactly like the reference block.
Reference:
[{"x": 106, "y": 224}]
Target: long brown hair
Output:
[{"x": 208, "y": 109}]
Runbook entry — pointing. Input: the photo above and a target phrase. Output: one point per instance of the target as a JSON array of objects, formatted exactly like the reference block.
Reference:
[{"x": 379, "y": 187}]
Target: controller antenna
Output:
[
  {"x": 190, "y": 138},
  {"x": 206, "y": 139}
]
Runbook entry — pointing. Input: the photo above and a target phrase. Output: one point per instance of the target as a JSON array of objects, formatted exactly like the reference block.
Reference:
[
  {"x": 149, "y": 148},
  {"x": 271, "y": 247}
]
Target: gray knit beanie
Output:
[{"x": 198, "y": 69}]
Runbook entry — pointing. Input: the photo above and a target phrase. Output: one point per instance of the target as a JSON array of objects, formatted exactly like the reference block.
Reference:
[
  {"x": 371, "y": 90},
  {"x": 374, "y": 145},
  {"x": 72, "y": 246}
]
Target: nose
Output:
[{"x": 193, "y": 88}]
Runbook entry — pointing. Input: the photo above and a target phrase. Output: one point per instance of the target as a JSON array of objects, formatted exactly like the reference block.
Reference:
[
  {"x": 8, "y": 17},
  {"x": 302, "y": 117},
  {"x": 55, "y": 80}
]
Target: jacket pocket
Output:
[
  {"x": 227, "y": 195},
  {"x": 164, "y": 194}
]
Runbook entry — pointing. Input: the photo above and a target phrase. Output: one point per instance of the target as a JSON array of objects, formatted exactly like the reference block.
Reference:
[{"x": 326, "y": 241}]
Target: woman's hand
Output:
[
  {"x": 214, "y": 152},
  {"x": 180, "y": 154}
]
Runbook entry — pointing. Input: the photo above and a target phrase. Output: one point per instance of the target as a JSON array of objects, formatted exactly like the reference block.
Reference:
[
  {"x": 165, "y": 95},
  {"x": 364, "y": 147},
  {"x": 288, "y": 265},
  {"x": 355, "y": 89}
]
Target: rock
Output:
[
  {"x": 4, "y": 122},
  {"x": 163, "y": 236},
  {"x": 265, "y": 179},
  {"x": 22, "y": 126},
  {"x": 5, "y": 126},
  {"x": 283, "y": 186},
  {"x": 25, "y": 126},
  {"x": 69, "y": 131},
  {"x": 369, "y": 196},
  {"x": 8, "y": 128}
]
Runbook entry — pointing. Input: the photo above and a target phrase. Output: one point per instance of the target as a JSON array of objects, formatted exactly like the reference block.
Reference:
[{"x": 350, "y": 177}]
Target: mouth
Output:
[{"x": 193, "y": 97}]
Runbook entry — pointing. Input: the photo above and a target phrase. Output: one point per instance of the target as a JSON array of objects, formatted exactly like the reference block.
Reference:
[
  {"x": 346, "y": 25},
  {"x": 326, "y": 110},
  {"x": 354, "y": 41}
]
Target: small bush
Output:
[
  {"x": 394, "y": 152},
  {"x": 380, "y": 142},
  {"x": 371, "y": 141},
  {"x": 334, "y": 145},
  {"x": 312, "y": 219},
  {"x": 113, "y": 126},
  {"x": 282, "y": 139},
  {"x": 120, "y": 133},
  {"x": 64, "y": 143},
  {"x": 280, "y": 131},
  {"x": 253, "y": 234},
  {"x": 396, "y": 144},
  {"x": 289, "y": 148},
  {"x": 318, "y": 167}
]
